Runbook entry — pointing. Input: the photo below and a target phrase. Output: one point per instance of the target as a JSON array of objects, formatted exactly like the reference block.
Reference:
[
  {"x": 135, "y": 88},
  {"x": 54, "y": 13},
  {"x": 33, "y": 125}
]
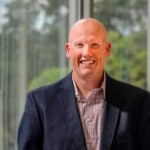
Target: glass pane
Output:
[
  {"x": 32, "y": 53},
  {"x": 126, "y": 22}
]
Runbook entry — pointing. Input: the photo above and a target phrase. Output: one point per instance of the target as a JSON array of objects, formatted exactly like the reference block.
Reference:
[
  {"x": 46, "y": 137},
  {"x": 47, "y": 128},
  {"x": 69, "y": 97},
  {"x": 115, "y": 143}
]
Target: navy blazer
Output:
[{"x": 51, "y": 119}]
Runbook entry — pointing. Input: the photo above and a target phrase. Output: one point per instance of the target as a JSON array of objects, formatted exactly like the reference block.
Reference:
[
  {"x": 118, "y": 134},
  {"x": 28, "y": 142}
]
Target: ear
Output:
[
  {"x": 108, "y": 47},
  {"x": 67, "y": 50}
]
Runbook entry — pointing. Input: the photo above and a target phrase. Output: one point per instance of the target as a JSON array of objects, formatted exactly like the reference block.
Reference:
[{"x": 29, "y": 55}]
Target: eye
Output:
[
  {"x": 95, "y": 45},
  {"x": 79, "y": 45}
]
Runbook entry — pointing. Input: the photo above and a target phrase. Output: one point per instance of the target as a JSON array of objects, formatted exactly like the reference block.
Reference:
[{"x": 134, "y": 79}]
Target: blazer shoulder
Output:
[
  {"x": 124, "y": 86},
  {"x": 52, "y": 89}
]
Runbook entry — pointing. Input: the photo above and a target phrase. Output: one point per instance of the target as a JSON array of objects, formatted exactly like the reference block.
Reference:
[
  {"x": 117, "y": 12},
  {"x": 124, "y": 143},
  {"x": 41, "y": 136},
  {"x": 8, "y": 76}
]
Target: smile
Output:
[{"x": 87, "y": 62}]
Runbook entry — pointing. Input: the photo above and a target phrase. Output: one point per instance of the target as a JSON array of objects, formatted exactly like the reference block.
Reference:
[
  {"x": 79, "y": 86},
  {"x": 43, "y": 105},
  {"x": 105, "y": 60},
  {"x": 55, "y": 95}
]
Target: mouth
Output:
[{"x": 87, "y": 62}]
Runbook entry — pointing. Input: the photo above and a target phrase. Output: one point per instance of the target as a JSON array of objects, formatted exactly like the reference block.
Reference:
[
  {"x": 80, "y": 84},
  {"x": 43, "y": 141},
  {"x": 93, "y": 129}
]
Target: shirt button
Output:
[
  {"x": 84, "y": 104},
  {"x": 89, "y": 119}
]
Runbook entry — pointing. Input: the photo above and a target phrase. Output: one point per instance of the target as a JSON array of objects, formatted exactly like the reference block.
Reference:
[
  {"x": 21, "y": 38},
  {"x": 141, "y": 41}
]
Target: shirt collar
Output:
[{"x": 102, "y": 87}]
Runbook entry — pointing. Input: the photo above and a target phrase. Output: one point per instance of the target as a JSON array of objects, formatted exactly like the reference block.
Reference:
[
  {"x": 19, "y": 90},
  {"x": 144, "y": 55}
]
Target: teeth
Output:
[{"x": 87, "y": 62}]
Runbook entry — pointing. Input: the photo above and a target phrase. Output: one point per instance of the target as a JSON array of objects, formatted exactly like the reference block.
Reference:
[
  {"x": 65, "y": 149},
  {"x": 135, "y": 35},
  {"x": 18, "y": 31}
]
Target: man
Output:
[{"x": 87, "y": 110}]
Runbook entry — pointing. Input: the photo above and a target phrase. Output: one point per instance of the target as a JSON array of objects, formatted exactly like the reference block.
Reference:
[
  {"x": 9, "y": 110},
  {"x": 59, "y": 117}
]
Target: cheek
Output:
[
  {"x": 101, "y": 58},
  {"x": 75, "y": 53},
  {"x": 100, "y": 54},
  {"x": 71, "y": 56}
]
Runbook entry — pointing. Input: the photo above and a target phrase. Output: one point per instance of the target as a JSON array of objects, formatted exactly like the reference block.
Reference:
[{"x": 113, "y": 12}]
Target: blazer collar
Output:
[
  {"x": 111, "y": 112},
  {"x": 67, "y": 100}
]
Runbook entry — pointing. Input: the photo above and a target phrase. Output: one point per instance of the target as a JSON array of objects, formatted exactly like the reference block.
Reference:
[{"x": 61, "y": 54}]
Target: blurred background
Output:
[{"x": 33, "y": 34}]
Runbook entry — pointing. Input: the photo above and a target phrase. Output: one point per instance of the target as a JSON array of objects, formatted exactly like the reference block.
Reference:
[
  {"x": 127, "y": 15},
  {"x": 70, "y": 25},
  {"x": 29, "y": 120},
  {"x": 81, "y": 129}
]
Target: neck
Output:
[{"x": 86, "y": 85}]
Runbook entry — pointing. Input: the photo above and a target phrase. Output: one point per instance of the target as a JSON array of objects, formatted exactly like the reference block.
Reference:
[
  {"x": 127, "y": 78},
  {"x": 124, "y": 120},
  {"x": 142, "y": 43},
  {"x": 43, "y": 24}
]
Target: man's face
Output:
[{"x": 87, "y": 49}]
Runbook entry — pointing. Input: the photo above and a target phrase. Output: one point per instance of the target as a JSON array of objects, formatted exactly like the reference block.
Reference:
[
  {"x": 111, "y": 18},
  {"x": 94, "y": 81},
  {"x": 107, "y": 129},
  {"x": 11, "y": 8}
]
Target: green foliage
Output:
[
  {"x": 46, "y": 77},
  {"x": 113, "y": 65},
  {"x": 127, "y": 33},
  {"x": 128, "y": 54},
  {"x": 117, "y": 14},
  {"x": 128, "y": 58},
  {"x": 127, "y": 61}
]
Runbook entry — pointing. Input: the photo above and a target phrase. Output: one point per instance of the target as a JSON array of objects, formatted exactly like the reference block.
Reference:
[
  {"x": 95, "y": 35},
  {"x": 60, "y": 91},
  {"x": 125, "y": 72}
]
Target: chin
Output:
[{"x": 86, "y": 73}]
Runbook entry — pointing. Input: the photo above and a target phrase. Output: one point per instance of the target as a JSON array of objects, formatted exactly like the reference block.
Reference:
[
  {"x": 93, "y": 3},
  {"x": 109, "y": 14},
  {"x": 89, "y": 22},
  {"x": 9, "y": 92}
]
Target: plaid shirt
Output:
[{"x": 91, "y": 110}]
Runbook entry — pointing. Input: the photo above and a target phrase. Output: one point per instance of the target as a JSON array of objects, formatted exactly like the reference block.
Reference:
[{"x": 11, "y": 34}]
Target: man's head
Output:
[{"x": 87, "y": 48}]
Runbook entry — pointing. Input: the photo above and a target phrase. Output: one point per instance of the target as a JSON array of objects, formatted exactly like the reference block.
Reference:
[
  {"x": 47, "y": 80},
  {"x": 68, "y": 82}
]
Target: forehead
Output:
[
  {"x": 90, "y": 29},
  {"x": 86, "y": 39}
]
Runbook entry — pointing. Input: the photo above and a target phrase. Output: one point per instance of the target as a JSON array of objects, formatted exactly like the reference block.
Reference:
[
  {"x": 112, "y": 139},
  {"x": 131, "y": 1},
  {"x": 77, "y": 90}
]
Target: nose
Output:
[{"x": 86, "y": 50}]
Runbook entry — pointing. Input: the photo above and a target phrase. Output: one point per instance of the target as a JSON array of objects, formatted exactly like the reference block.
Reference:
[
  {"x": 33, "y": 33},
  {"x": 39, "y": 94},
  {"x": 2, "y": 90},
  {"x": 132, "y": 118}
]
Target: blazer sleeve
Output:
[
  {"x": 30, "y": 128},
  {"x": 144, "y": 126}
]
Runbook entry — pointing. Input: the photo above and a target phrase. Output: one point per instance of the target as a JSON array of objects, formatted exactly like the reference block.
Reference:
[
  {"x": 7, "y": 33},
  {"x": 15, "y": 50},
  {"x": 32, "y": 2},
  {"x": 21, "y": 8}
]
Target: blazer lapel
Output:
[
  {"x": 111, "y": 113},
  {"x": 68, "y": 104}
]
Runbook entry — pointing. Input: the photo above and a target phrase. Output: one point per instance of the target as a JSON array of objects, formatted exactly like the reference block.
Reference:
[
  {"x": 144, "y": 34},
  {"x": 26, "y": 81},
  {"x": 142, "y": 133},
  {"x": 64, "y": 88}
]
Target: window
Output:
[
  {"x": 126, "y": 22},
  {"x": 32, "y": 53},
  {"x": 32, "y": 48}
]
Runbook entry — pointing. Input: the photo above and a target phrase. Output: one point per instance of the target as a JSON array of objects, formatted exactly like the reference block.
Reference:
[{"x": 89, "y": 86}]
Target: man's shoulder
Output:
[
  {"x": 128, "y": 87},
  {"x": 51, "y": 89}
]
